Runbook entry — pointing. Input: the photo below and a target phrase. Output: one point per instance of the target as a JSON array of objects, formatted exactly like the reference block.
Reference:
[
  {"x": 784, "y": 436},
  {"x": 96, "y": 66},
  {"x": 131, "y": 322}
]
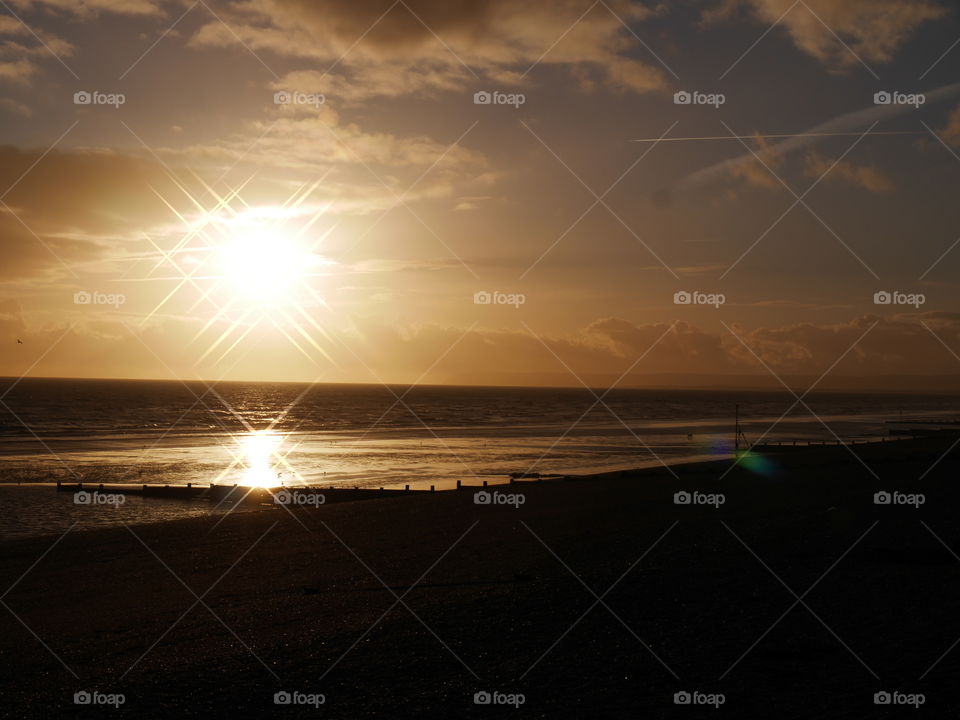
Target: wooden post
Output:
[
  {"x": 407, "y": 488},
  {"x": 484, "y": 483},
  {"x": 432, "y": 488},
  {"x": 736, "y": 428},
  {"x": 459, "y": 484}
]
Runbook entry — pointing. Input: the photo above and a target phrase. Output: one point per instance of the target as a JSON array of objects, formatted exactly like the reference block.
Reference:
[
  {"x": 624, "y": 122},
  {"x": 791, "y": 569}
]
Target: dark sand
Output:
[{"x": 499, "y": 599}]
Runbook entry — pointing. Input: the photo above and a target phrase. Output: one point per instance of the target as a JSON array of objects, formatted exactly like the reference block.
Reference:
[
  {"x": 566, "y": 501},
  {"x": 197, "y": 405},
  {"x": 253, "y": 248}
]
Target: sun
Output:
[{"x": 264, "y": 265}]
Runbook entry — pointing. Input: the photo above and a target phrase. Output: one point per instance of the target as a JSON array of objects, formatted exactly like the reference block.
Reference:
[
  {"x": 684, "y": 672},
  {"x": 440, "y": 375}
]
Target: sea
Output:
[{"x": 368, "y": 436}]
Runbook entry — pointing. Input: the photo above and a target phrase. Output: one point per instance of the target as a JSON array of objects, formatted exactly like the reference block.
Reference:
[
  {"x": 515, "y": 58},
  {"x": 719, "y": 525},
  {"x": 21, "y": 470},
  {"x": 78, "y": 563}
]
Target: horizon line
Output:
[{"x": 713, "y": 386}]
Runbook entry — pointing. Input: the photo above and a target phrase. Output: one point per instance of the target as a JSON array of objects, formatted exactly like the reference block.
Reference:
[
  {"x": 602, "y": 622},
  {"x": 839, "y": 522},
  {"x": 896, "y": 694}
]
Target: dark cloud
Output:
[
  {"x": 873, "y": 30},
  {"x": 427, "y": 44}
]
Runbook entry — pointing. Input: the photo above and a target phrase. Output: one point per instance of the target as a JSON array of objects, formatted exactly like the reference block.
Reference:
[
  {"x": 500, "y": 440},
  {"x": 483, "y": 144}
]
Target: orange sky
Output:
[{"x": 291, "y": 190}]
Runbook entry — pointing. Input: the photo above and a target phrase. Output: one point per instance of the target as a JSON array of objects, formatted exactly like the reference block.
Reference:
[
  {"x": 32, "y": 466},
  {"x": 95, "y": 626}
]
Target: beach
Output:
[{"x": 503, "y": 598}]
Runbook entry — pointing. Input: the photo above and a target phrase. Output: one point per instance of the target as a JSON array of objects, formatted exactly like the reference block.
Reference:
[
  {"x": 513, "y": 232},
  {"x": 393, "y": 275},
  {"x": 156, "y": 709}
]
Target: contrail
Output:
[{"x": 793, "y": 135}]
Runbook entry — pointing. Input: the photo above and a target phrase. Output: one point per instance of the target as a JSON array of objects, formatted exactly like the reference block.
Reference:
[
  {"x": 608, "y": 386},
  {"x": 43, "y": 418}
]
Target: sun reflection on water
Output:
[{"x": 260, "y": 458}]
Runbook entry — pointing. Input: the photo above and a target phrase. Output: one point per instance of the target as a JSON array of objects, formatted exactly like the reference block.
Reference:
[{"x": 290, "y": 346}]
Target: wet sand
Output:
[{"x": 308, "y": 602}]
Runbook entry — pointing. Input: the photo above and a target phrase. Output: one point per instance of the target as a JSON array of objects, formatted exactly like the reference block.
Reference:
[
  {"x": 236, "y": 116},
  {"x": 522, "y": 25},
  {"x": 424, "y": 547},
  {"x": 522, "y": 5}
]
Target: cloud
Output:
[
  {"x": 88, "y": 191},
  {"x": 900, "y": 346},
  {"x": 368, "y": 170},
  {"x": 439, "y": 45},
  {"x": 873, "y": 29},
  {"x": 21, "y": 51},
  {"x": 600, "y": 352},
  {"x": 86, "y": 8},
  {"x": 895, "y": 345},
  {"x": 757, "y": 172},
  {"x": 863, "y": 176},
  {"x": 70, "y": 208},
  {"x": 17, "y": 108}
]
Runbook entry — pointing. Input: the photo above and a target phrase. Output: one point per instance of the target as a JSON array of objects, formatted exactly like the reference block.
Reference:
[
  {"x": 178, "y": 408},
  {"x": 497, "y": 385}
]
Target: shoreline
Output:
[{"x": 788, "y": 460}]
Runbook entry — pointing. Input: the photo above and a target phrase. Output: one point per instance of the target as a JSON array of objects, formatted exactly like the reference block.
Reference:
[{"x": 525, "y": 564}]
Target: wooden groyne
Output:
[
  {"x": 287, "y": 495},
  {"x": 238, "y": 493},
  {"x": 780, "y": 446}
]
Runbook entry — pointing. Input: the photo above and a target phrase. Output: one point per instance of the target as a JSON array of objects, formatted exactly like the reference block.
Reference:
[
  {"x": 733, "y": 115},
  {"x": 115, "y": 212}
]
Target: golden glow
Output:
[
  {"x": 260, "y": 459},
  {"x": 248, "y": 266}
]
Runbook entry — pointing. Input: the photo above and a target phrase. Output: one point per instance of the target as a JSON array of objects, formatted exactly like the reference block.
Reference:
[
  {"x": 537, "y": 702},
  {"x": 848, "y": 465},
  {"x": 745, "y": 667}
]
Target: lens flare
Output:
[{"x": 757, "y": 464}]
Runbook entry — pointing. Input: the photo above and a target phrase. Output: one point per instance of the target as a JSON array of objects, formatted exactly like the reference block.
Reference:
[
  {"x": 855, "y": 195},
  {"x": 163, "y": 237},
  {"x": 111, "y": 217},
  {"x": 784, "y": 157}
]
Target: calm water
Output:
[{"x": 262, "y": 433}]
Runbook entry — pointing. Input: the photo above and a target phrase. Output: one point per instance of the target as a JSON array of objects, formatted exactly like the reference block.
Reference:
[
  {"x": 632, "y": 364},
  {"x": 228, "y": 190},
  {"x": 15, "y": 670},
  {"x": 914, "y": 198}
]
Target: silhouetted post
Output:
[
  {"x": 407, "y": 488},
  {"x": 459, "y": 484},
  {"x": 736, "y": 429},
  {"x": 484, "y": 483},
  {"x": 432, "y": 488}
]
